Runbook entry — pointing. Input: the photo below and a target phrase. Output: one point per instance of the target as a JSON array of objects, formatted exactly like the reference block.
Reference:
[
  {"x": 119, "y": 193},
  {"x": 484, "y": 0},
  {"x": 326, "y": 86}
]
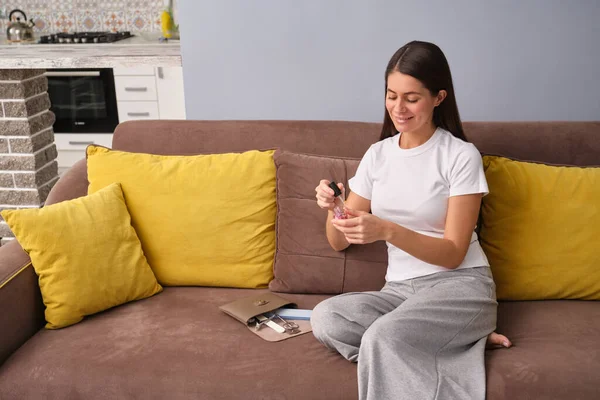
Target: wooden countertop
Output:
[{"x": 141, "y": 49}]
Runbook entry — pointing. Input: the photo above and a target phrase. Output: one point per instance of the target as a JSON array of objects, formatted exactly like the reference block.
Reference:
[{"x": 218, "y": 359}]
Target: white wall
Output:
[{"x": 325, "y": 59}]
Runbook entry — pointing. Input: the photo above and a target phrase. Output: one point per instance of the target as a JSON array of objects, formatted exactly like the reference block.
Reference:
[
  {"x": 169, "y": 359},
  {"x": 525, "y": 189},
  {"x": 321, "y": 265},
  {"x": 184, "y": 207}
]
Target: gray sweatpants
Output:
[{"x": 422, "y": 338}]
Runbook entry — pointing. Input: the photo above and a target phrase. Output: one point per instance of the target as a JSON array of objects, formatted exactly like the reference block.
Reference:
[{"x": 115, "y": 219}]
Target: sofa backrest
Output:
[
  {"x": 571, "y": 143},
  {"x": 185, "y": 137},
  {"x": 566, "y": 143},
  {"x": 332, "y": 138}
]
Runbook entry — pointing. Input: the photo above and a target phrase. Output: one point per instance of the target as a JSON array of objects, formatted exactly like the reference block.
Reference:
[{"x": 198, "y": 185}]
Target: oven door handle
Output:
[{"x": 72, "y": 73}]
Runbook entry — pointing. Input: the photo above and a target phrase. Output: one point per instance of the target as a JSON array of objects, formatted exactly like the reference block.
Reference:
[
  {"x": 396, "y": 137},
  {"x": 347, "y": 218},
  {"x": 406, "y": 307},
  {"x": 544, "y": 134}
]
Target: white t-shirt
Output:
[{"x": 411, "y": 187}]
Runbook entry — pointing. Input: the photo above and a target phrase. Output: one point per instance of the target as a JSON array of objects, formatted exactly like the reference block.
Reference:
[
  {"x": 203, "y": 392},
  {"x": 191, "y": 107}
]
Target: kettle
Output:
[{"x": 19, "y": 31}]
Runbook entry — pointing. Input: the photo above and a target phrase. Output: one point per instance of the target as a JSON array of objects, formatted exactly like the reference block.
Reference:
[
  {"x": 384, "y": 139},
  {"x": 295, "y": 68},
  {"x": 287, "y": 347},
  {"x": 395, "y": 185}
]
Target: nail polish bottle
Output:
[{"x": 338, "y": 210}]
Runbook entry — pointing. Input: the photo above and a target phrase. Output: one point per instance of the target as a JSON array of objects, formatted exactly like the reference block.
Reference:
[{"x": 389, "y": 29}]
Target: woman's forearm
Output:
[{"x": 432, "y": 250}]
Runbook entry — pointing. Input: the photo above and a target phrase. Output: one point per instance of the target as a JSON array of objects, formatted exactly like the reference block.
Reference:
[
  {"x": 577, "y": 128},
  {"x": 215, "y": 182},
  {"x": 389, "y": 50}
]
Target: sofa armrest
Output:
[{"x": 21, "y": 305}]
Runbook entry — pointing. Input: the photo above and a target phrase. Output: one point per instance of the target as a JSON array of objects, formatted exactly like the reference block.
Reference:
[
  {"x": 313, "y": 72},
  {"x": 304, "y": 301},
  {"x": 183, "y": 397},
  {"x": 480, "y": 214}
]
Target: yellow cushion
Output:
[
  {"x": 541, "y": 230},
  {"x": 206, "y": 220},
  {"x": 86, "y": 254}
]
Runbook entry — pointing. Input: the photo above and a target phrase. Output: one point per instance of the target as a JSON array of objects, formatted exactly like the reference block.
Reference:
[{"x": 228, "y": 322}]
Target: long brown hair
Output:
[{"x": 426, "y": 62}]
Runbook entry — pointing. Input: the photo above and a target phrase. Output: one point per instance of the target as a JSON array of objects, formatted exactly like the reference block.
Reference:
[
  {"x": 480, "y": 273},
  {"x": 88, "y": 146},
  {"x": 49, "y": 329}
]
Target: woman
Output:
[{"x": 423, "y": 335}]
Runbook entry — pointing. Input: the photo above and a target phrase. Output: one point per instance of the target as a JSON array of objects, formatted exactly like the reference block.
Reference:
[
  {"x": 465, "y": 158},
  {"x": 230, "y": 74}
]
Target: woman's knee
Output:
[
  {"x": 333, "y": 319},
  {"x": 322, "y": 318}
]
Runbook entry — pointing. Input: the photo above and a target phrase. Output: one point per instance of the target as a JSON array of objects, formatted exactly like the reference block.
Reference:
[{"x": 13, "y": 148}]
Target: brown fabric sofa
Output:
[{"x": 178, "y": 345}]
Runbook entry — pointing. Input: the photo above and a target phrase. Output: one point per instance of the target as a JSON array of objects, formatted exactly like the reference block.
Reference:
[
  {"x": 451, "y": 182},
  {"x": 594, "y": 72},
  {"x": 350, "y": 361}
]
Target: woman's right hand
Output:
[{"x": 325, "y": 198}]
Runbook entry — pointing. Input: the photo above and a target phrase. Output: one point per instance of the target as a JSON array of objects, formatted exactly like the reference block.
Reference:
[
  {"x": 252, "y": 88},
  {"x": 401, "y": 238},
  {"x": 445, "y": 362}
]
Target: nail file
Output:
[
  {"x": 292, "y": 313},
  {"x": 270, "y": 324}
]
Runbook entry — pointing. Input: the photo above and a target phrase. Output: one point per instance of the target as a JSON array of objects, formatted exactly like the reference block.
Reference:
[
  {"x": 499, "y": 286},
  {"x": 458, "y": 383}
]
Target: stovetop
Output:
[{"x": 84, "y": 37}]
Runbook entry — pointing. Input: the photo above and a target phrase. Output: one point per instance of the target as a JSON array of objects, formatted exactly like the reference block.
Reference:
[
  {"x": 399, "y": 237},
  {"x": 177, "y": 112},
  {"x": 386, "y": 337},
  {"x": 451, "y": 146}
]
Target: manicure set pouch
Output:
[{"x": 253, "y": 310}]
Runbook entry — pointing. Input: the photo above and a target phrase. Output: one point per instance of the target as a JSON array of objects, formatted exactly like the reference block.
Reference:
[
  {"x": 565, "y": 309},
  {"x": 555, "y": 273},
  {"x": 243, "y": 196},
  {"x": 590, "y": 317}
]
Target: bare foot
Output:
[{"x": 495, "y": 339}]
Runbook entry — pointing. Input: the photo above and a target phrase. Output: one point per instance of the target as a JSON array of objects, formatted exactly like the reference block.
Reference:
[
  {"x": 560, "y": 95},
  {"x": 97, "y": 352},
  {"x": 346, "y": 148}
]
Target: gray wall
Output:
[{"x": 325, "y": 59}]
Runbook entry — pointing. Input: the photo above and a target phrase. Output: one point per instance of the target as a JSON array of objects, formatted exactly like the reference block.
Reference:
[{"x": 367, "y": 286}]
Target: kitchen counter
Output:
[
  {"x": 28, "y": 152},
  {"x": 141, "y": 49}
]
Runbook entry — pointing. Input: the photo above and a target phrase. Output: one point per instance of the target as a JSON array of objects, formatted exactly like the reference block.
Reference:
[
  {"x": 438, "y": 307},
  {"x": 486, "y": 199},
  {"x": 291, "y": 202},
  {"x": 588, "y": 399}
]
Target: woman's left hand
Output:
[{"x": 360, "y": 227}]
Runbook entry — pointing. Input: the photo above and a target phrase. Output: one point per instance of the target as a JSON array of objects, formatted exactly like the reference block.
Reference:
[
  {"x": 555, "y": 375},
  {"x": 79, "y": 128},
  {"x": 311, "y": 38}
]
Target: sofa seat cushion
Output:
[
  {"x": 178, "y": 345},
  {"x": 555, "y": 353}
]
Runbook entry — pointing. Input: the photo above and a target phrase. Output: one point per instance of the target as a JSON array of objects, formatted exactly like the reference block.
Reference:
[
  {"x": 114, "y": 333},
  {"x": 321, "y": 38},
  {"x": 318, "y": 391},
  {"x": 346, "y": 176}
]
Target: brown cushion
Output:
[
  {"x": 179, "y": 345},
  {"x": 176, "y": 346},
  {"x": 304, "y": 261},
  {"x": 554, "y": 353}
]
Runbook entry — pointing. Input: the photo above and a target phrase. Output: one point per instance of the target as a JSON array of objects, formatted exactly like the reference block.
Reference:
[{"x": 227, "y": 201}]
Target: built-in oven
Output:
[{"x": 83, "y": 100}]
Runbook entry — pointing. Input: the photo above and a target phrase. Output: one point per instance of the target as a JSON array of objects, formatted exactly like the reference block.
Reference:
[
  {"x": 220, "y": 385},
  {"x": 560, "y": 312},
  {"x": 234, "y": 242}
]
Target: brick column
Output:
[{"x": 28, "y": 168}]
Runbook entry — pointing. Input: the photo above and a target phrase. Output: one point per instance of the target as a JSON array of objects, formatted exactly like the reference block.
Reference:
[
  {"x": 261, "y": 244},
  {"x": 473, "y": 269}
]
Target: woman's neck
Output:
[{"x": 411, "y": 139}]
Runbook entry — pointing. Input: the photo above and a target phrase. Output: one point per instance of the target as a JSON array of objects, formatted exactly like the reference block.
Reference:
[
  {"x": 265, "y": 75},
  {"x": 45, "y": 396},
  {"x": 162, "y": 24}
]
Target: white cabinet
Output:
[
  {"x": 133, "y": 71},
  {"x": 169, "y": 86},
  {"x": 129, "y": 110},
  {"x": 71, "y": 146},
  {"x": 135, "y": 88},
  {"x": 149, "y": 93}
]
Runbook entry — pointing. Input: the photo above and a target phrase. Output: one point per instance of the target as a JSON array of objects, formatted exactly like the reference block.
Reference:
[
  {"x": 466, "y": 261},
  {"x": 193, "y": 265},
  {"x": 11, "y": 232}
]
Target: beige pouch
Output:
[{"x": 245, "y": 310}]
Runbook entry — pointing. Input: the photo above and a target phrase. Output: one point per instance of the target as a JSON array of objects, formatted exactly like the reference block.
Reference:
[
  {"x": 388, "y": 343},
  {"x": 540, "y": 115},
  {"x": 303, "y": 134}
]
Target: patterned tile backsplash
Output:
[{"x": 52, "y": 16}]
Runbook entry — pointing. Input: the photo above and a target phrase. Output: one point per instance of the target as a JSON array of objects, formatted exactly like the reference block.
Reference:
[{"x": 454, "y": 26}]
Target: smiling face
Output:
[{"x": 410, "y": 105}]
